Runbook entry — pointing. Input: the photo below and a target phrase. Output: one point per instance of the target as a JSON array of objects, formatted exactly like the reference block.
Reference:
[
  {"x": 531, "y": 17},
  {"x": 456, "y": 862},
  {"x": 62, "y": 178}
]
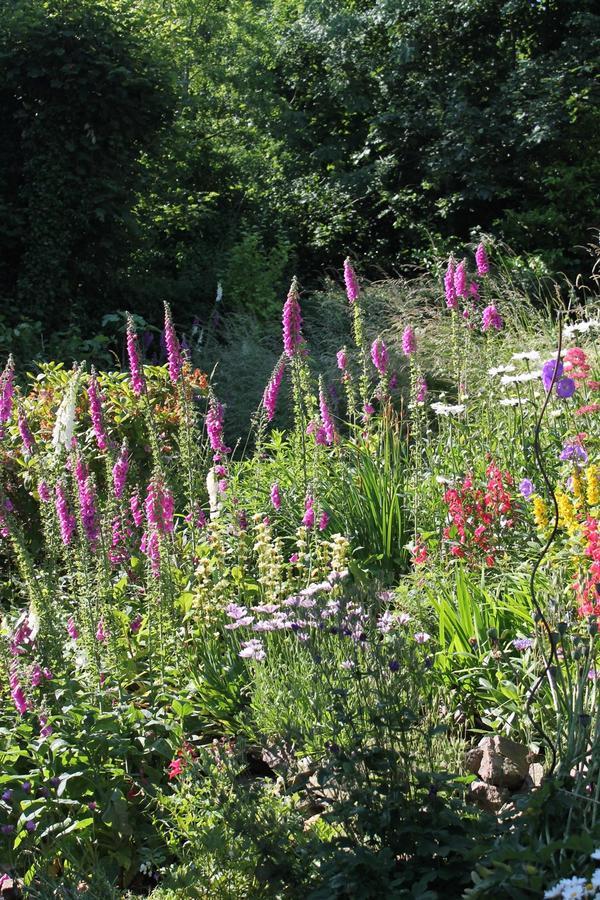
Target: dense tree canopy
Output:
[{"x": 154, "y": 147}]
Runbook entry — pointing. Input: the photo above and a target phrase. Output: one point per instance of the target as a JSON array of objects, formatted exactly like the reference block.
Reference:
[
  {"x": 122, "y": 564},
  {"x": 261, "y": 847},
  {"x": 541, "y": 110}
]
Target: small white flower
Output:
[
  {"x": 596, "y": 879},
  {"x": 442, "y": 409},
  {"x": 441, "y": 479},
  {"x": 531, "y": 355},
  {"x": 500, "y": 369},
  {"x": 568, "y": 889},
  {"x": 509, "y": 401},
  {"x": 581, "y": 327},
  {"x": 519, "y": 379},
  {"x": 595, "y": 854}
]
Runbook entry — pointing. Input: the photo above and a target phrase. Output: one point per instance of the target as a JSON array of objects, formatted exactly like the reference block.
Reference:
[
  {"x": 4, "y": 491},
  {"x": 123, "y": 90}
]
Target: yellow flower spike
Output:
[
  {"x": 540, "y": 512},
  {"x": 567, "y": 517},
  {"x": 592, "y": 485}
]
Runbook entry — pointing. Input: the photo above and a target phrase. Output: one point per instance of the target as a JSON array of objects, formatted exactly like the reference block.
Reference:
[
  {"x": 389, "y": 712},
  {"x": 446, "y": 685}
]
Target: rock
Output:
[
  {"x": 536, "y": 774},
  {"x": 504, "y": 763},
  {"x": 489, "y": 797},
  {"x": 473, "y": 760}
]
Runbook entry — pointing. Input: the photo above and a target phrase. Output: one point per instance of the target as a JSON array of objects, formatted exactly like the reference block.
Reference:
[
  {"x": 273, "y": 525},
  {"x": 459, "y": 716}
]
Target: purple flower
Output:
[
  {"x": 368, "y": 410},
  {"x": 449, "y": 289},
  {"x": 275, "y": 496},
  {"x": 7, "y": 829},
  {"x": 214, "y": 426},
  {"x": 421, "y": 389},
  {"x": 481, "y": 258},
  {"x": 101, "y": 633},
  {"x": 421, "y": 637},
  {"x": 527, "y": 488},
  {"x": 380, "y": 356},
  {"x": 309, "y": 514},
  {"x": 138, "y": 382},
  {"x": 7, "y": 795},
  {"x": 323, "y": 521},
  {"x": 25, "y": 432},
  {"x": 30, "y": 825},
  {"x": 491, "y": 318},
  {"x": 45, "y": 731},
  {"x": 292, "y": 322},
  {"x": 342, "y": 359},
  {"x": 575, "y": 451},
  {"x": 329, "y": 432},
  {"x": 394, "y": 665},
  {"x": 119, "y": 472},
  {"x": 44, "y": 492},
  {"x": 66, "y": 519},
  {"x": 95, "y": 401},
  {"x": 272, "y": 390},
  {"x": 352, "y": 289},
  {"x": 548, "y": 372},
  {"x": 26, "y": 787},
  {"x": 135, "y": 624},
  {"x": 253, "y": 649},
  {"x": 87, "y": 508},
  {"x": 159, "y": 507},
  {"x": 174, "y": 358},
  {"x": 136, "y": 509},
  {"x": 460, "y": 279},
  {"x": 565, "y": 388},
  {"x": 7, "y": 390},
  {"x": 72, "y": 628},
  {"x": 409, "y": 341},
  {"x": 523, "y": 643}
]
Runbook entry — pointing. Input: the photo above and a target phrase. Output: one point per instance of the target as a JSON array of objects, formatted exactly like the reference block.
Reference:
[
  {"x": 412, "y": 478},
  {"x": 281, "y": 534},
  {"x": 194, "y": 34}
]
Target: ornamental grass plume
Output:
[
  {"x": 95, "y": 401},
  {"x": 481, "y": 259},
  {"x": 491, "y": 319},
  {"x": 292, "y": 321},
  {"x": 138, "y": 381},
  {"x": 380, "y": 355},
  {"x": 174, "y": 357},
  {"x": 271, "y": 392},
  {"x": 409, "y": 341},
  {"x": 7, "y": 391},
  {"x": 351, "y": 281},
  {"x": 449, "y": 289}
]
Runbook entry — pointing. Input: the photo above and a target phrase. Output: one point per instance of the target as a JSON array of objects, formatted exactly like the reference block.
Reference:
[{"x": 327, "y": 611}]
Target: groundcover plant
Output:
[{"x": 263, "y": 670}]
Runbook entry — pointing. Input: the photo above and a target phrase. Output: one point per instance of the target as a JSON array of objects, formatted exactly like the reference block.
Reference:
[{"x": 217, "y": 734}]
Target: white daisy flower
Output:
[
  {"x": 530, "y": 355},
  {"x": 500, "y": 369},
  {"x": 443, "y": 409}
]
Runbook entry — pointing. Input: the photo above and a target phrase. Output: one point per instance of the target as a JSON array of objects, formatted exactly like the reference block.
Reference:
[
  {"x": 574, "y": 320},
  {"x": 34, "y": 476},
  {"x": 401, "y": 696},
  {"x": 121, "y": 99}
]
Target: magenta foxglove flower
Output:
[
  {"x": 214, "y": 426},
  {"x": 460, "y": 279},
  {"x": 95, "y": 401},
  {"x": 449, "y": 289},
  {"x": 87, "y": 503},
  {"x": 421, "y": 390},
  {"x": 309, "y": 513},
  {"x": 342, "y": 359},
  {"x": 101, "y": 633},
  {"x": 7, "y": 390},
  {"x": 45, "y": 729},
  {"x": 272, "y": 391},
  {"x": 138, "y": 382},
  {"x": 351, "y": 281},
  {"x": 491, "y": 318},
  {"x": 329, "y": 432},
  {"x": 323, "y": 521},
  {"x": 379, "y": 355},
  {"x": 66, "y": 519},
  {"x": 44, "y": 492},
  {"x": 481, "y": 258},
  {"x": 136, "y": 509},
  {"x": 119, "y": 472},
  {"x": 72, "y": 628},
  {"x": 409, "y": 341},
  {"x": 368, "y": 410},
  {"x": 275, "y": 496},
  {"x": 174, "y": 358},
  {"x": 16, "y": 692},
  {"x": 136, "y": 624},
  {"x": 292, "y": 322},
  {"x": 25, "y": 432},
  {"x": 159, "y": 507}
]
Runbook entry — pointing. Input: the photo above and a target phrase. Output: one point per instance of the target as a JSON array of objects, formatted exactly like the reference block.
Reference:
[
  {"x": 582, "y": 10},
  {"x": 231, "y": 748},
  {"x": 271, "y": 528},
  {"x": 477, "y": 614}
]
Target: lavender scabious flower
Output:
[
  {"x": 527, "y": 488},
  {"x": 352, "y": 289},
  {"x": 342, "y": 359},
  {"x": 174, "y": 358},
  {"x": 253, "y": 649},
  {"x": 138, "y": 382},
  {"x": 548, "y": 372},
  {"x": 214, "y": 426},
  {"x": 379, "y": 355},
  {"x": 409, "y": 341},
  {"x": 460, "y": 279},
  {"x": 7, "y": 390},
  {"x": 481, "y": 258},
  {"x": 66, "y": 519},
  {"x": 272, "y": 391},
  {"x": 119, "y": 472},
  {"x": 275, "y": 496},
  {"x": 25, "y": 432},
  {"x": 96, "y": 412},
  {"x": 491, "y": 318},
  {"x": 523, "y": 643},
  {"x": 308, "y": 519},
  {"x": 292, "y": 322},
  {"x": 329, "y": 431},
  {"x": 565, "y": 388},
  {"x": 449, "y": 289}
]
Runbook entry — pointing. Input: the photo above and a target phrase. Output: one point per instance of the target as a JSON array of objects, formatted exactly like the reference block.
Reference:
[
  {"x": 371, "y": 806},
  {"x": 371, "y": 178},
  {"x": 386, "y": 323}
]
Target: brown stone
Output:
[
  {"x": 489, "y": 797},
  {"x": 473, "y": 760},
  {"x": 504, "y": 763}
]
